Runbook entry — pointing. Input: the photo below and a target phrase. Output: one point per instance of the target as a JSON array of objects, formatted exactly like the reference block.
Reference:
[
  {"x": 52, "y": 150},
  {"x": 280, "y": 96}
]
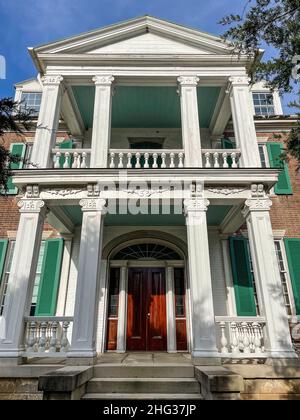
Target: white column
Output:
[
  {"x": 171, "y": 320},
  {"x": 64, "y": 276},
  {"x": 267, "y": 274},
  {"x": 22, "y": 275},
  {"x": 86, "y": 301},
  {"x": 243, "y": 121},
  {"x": 45, "y": 137},
  {"x": 122, "y": 311},
  {"x": 101, "y": 121},
  {"x": 190, "y": 121},
  {"x": 202, "y": 309},
  {"x": 230, "y": 297}
]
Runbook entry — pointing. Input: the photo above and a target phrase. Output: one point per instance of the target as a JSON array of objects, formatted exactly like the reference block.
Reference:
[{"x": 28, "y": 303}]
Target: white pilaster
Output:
[
  {"x": 243, "y": 122},
  {"x": 101, "y": 121},
  {"x": 190, "y": 120},
  {"x": 267, "y": 274},
  {"x": 86, "y": 301},
  {"x": 171, "y": 320},
  {"x": 64, "y": 276},
  {"x": 22, "y": 275},
  {"x": 203, "y": 322},
  {"x": 122, "y": 311},
  {"x": 48, "y": 121}
]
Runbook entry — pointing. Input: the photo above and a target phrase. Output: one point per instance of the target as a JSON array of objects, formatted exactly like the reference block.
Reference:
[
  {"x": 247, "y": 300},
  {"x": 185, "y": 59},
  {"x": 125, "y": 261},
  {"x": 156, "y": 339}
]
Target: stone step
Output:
[
  {"x": 143, "y": 385},
  {"x": 148, "y": 396},
  {"x": 143, "y": 371}
]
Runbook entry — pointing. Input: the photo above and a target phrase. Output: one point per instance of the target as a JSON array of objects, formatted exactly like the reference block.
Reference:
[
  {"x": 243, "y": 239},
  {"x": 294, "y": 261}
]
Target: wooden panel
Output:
[
  {"x": 112, "y": 329},
  {"x": 113, "y": 306},
  {"x": 157, "y": 328},
  {"x": 180, "y": 309},
  {"x": 181, "y": 341}
]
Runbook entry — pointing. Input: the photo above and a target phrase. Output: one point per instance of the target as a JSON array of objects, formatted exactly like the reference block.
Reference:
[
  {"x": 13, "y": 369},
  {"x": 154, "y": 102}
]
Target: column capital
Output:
[
  {"x": 195, "y": 205},
  {"x": 259, "y": 200},
  {"x": 52, "y": 80},
  {"x": 93, "y": 204},
  {"x": 188, "y": 80},
  {"x": 242, "y": 80},
  {"x": 31, "y": 206},
  {"x": 103, "y": 80}
]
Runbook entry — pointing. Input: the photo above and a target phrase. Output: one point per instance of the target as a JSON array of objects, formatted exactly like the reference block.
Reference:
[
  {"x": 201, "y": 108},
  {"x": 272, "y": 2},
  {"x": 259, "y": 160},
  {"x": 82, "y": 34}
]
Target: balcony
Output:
[{"x": 145, "y": 158}]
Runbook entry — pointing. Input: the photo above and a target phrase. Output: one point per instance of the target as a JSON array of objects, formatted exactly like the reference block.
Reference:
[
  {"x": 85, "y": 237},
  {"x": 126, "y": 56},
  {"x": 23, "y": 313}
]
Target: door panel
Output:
[{"x": 146, "y": 315}]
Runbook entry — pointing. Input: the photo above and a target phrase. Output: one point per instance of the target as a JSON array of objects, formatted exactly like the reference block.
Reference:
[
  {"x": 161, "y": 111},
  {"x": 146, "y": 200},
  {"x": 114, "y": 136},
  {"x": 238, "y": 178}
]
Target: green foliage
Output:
[
  {"x": 276, "y": 24},
  {"x": 12, "y": 119}
]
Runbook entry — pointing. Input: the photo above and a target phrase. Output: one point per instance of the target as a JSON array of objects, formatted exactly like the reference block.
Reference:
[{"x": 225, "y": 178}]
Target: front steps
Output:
[{"x": 150, "y": 382}]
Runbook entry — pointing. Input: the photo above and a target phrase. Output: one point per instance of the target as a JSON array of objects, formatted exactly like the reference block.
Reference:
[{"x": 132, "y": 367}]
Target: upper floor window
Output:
[
  {"x": 31, "y": 100},
  {"x": 263, "y": 103}
]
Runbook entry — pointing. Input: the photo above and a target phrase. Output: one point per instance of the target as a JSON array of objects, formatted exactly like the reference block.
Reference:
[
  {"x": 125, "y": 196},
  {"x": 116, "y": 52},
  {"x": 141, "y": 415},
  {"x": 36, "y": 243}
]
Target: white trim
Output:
[
  {"x": 170, "y": 309},
  {"x": 230, "y": 295},
  {"x": 122, "y": 310}
]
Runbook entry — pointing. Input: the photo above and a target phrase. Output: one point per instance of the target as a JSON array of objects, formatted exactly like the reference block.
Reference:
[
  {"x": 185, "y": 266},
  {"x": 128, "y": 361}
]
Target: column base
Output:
[
  {"x": 206, "y": 358},
  {"x": 81, "y": 357}
]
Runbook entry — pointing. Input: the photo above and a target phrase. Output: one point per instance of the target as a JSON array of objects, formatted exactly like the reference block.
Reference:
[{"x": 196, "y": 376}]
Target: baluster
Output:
[
  {"x": 120, "y": 164},
  {"x": 234, "y": 160},
  {"x": 224, "y": 342},
  {"x": 79, "y": 161},
  {"x": 155, "y": 165},
  {"x": 83, "y": 162},
  {"x": 172, "y": 160},
  {"x": 75, "y": 160},
  {"x": 225, "y": 163},
  {"x": 138, "y": 157},
  {"x": 32, "y": 337},
  {"x": 257, "y": 339},
  {"x": 163, "y": 159},
  {"x": 234, "y": 340},
  {"x": 207, "y": 160},
  {"x": 129, "y": 156},
  {"x": 180, "y": 157},
  {"x": 67, "y": 160},
  {"x": 146, "y": 164},
  {"x": 246, "y": 338},
  {"x": 216, "y": 160},
  {"x": 42, "y": 340},
  {"x": 53, "y": 337},
  {"x": 57, "y": 158},
  {"x": 112, "y": 160},
  {"x": 64, "y": 337},
  {"x": 240, "y": 337}
]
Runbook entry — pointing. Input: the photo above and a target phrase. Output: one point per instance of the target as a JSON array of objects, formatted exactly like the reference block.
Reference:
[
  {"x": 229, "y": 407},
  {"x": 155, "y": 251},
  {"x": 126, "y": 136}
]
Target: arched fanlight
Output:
[{"x": 147, "y": 251}]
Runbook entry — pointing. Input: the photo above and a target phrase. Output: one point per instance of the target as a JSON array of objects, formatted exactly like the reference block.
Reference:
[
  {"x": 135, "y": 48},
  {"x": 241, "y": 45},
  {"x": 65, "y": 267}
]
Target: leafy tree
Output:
[
  {"x": 273, "y": 23},
  {"x": 12, "y": 119}
]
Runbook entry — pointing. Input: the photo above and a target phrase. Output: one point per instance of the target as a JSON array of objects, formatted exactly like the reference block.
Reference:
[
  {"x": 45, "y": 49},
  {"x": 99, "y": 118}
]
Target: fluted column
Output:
[
  {"x": 266, "y": 273},
  {"x": 190, "y": 120},
  {"x": 48, "y": 120},
  {"x": 202, "y": 309},
  {"x": 101, "y": 121},
  {"x": 86, "y": 300},
  {"x": 243, "y": 121},
  {"x": 21, "y": 279}
]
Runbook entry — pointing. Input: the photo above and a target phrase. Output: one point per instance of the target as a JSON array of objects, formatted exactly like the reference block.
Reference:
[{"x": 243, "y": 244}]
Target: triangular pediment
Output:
[{"x": 144, "y": 35}]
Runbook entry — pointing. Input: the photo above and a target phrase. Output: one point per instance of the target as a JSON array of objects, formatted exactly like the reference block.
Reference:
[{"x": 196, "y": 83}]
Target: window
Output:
[
  {"x": 263, "y": 103},
  {"x": 284, "y": 276},
  {"x": 179, "y": 293},
  {"x": 253, "y": 280},
  {"x": 27, "y": 157},
  {"x": 3, "y": 290},
  {"x": 31, "y": 100},
  {"x": 113, "y": 302},
  {"x": 263, "y": 156}
]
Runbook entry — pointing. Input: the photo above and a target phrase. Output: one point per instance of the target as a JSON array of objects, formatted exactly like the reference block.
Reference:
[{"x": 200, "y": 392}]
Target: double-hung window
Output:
[
  {"x": 31, "y": 101},
  {"x": 263, "y": 103}
]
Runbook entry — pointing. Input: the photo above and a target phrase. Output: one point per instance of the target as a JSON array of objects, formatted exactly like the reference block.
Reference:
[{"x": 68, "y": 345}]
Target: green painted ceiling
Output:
[
  {"x": 146, "y": 106},
  {"x": 215, "y": 215}
]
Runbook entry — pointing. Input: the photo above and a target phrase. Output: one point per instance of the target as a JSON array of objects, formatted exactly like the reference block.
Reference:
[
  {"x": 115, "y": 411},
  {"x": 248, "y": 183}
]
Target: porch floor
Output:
[{"x": 148, "y": 358}]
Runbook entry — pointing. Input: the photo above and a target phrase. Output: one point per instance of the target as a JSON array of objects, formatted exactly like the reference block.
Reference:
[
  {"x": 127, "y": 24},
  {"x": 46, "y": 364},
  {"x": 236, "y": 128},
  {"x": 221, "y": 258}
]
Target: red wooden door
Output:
[{"x": 146, "y": 310}]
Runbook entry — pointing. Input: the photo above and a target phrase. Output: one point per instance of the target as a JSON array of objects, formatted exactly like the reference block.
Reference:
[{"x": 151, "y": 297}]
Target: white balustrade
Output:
[
  {"x": 136, "y": 159},
  {"x": 71, "y": 158},
  {"x": 46, "y": 336},
  {"x": 220, "y": 158},
  {"x": 241, "y": 336}
]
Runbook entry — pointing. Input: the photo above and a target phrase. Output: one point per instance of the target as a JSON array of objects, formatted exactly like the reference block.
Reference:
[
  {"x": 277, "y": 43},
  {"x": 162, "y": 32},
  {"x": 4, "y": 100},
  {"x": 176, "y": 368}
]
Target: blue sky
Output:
[{"x": 28, "y": 23}]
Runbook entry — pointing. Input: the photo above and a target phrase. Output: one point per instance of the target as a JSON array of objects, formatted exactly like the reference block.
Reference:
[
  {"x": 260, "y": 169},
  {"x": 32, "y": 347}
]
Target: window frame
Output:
[
  {"x": 263, "y": 106},
  {"x": 23, "y": 102}
]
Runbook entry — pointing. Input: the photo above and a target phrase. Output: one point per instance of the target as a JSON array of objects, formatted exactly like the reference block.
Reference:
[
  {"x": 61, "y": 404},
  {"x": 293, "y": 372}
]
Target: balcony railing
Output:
[
  {"x": 241, "y": 336},
  {"x": 46, "y": 336},
  {"x": 145, "y": 158}
]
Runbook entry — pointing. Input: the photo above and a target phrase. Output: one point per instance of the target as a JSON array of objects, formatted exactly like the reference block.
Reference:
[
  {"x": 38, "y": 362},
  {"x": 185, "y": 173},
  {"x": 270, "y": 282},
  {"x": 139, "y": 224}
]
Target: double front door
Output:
[{"x": 146, "y": 310}]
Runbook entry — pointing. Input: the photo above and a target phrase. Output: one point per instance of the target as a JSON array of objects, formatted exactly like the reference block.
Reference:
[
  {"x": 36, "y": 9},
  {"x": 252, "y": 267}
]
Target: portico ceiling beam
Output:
[
  {"x": 71, "y": 114},
  {"x": 59, "y": 220},
  {"x": 221, "y": 114},
  {"x": 233, "y": 221}
]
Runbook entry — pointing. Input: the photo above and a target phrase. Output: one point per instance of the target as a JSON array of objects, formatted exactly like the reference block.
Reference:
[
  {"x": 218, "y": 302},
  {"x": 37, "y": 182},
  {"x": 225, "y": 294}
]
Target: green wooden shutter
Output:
[
  {"x": 66, "y": 144},
  {"x": 226, "y": 143},
  {"x": 292, "y": 247},
  {"x": 242, "y": 277},
  {"x": 50, "y": 276},
  {"x": 3, "y": 249},
  {"x": 16, "y": 149},
  {"x": 283, "y": 186}
]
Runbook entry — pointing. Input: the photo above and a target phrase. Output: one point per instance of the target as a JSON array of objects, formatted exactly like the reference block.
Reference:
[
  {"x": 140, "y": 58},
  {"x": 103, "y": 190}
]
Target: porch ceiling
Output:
[
  {"x": 215, "y": 216},
  {"x": 146, "y": 106}
]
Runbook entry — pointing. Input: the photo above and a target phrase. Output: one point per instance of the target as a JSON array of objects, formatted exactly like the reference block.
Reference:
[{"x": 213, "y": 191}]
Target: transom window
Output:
[
  {"x": 32, "y": 101},
  {"x": 148, "y": 251},
  {"x": 263, "y": 103}
]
